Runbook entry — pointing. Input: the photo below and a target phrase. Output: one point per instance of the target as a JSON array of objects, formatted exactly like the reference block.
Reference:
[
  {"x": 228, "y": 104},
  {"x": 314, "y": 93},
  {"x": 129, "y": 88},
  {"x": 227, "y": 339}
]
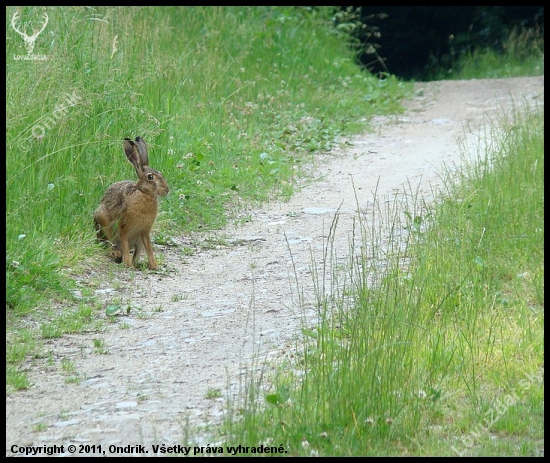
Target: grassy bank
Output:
[{"x": 442, "y": 354}]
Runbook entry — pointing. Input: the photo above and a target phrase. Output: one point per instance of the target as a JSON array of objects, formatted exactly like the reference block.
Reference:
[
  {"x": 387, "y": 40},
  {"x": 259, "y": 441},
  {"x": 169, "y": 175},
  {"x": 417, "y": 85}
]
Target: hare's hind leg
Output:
[
  {"x": 100, "y": 225},
  {"x": 149, "y": 249},
  {"x": 107, "y": 234}
]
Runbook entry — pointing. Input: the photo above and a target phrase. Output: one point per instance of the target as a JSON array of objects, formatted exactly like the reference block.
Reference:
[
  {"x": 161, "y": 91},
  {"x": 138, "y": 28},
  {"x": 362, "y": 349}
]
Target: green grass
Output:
[
  {"x": 442, "y": 354},
  {"x": 26, "y": 337},
  {"x": 521, "y": 54},
  {"x": 213, "y": 393}
]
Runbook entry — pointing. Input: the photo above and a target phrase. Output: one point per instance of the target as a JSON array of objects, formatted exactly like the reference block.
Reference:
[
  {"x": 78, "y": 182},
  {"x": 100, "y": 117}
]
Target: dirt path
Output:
[{"x": 222, "y": 303}]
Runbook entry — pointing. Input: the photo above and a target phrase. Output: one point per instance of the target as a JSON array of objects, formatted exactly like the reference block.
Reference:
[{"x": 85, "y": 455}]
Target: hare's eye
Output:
[{"x": 150, "y": 176}]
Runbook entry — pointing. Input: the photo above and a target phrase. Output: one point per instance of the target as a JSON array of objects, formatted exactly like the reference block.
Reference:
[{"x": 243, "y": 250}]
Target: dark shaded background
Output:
[{"x": 414, "y": 40}]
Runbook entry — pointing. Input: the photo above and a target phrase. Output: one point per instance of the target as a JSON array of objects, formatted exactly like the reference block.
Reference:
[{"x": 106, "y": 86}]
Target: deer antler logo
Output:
[{"x": 29, "y": 41}]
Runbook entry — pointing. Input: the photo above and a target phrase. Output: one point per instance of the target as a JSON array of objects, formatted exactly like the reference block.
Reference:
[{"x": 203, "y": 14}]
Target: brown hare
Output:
[{"x": 128, "y": 209}]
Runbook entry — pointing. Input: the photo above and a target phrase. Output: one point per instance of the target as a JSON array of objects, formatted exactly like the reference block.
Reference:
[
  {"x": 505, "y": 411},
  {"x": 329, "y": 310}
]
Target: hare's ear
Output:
[
  {"x": 142, "y": 147},
  {"x": 133, "y": 155}
]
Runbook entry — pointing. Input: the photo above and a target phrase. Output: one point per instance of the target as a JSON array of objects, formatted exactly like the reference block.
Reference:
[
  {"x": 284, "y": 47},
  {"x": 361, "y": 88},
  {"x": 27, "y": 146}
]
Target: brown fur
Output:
[{"x": 128, "y": 209}]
